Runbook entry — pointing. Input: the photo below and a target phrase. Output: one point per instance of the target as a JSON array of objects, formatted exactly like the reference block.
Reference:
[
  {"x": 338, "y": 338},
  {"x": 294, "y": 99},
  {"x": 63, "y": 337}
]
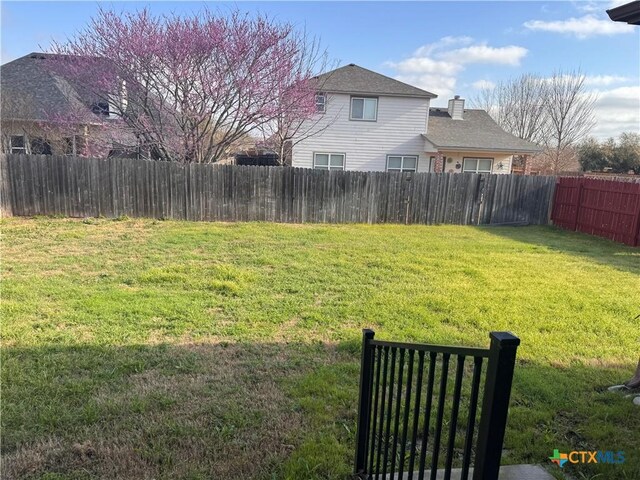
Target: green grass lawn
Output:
[{"x": 150, "y": 349}]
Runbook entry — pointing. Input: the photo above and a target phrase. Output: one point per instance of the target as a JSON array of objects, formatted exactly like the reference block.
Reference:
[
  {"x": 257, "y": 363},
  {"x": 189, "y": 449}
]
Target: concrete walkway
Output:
[{"x": 507, "y": 472}]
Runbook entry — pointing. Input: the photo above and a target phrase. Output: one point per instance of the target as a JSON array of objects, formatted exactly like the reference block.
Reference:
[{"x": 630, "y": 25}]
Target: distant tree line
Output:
[{"x": 621, "y": 155}]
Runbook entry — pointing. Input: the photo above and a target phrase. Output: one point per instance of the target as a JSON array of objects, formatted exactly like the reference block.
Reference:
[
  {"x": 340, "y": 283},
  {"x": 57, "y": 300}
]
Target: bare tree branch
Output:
[
  {"x": 555, "y": 112},
  {"x": 194, "y": 85}
]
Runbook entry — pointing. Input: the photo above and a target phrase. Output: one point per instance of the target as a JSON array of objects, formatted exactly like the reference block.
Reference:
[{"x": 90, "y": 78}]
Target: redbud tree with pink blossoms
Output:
[{"x": 188, "y": 88}]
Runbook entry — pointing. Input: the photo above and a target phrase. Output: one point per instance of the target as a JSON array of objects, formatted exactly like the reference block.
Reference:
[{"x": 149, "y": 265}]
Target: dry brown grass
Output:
[{"x": 237, "y": 418}]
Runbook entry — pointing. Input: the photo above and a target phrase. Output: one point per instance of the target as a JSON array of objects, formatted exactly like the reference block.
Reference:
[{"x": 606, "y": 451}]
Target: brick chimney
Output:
[{"x": 456, "y": 108}]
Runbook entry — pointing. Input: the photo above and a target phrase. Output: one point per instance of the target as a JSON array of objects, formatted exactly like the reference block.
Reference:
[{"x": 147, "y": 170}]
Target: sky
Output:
[{"x": 448, "y": 48}]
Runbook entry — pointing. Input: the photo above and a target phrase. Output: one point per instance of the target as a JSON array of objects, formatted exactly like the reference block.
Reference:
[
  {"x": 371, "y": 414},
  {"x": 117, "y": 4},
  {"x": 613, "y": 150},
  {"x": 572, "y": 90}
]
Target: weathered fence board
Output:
[{"x": 90, "y": 187}]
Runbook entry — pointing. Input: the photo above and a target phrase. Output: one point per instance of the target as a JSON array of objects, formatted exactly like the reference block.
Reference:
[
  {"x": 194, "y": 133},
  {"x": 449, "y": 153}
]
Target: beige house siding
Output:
[
  {"x": 398, "y": 130},
  {"x": 28, "y": 130},
  {"x": 85, "y": 136},
  {"x": 458, "y": 157}
]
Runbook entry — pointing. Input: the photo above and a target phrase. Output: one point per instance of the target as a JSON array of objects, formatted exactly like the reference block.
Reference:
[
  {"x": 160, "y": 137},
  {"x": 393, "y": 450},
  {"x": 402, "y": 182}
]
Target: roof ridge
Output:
[
  {"x": 375, "y": 83},
  {"x": 466, "y": 109},
  {"x": 479, "y": 130}
]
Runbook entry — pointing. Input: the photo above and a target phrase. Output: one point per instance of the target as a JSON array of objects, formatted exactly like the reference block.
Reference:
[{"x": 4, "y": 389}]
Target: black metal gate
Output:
[{"x": 407, "y": 424}]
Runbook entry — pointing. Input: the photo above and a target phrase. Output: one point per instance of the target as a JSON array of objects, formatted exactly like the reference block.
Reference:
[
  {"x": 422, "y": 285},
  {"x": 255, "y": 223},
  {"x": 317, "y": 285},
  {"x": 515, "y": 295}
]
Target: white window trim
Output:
[
  {"x": 362, "y": 119},
  {"x": 402, "y": 169},
  {"x": 113, "y": 108},
  {"x": 117, "y": 103},
  {"x": 476, "y": 169},
  {"x": 344, "y": 161},
  {"x": 24, "y": 144},
  {"x": 432, "y": 163},
  {"x": 323, "y": 103}
]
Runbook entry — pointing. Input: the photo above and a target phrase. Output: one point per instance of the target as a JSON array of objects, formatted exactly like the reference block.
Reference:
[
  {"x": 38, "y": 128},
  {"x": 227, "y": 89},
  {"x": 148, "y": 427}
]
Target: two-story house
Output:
[{"x": 367, "y": 121}]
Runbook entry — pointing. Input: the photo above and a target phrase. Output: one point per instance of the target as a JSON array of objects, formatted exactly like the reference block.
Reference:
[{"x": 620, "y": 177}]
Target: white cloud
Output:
[
  {"x": 604, "y": 80},
  {"x": 583, "y": 27},
  {"x": 442, "y": 85},
  {"x": 418, "y": 64},
  {"x": 617, "y": 110},
  {"x": 510, "y": 55},
  {"x": 444, "y": 42},
  {"x": 589, "y": 6},
  {"x": 483, "y": 84},
  {"x": 616, "y": 3},
  {"x": 545, "y": 8},
  {"x": 595, "y": 80},
  {"x": 435, "y": 66}
]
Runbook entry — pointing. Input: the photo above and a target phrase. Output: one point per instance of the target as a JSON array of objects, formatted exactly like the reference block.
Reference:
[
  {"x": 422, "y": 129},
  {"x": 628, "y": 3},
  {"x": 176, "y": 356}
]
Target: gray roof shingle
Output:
[
  {"x": 31, "y": 92},
  {"x": 357, "y": 80},
  {"x": 476, "y": 130}
]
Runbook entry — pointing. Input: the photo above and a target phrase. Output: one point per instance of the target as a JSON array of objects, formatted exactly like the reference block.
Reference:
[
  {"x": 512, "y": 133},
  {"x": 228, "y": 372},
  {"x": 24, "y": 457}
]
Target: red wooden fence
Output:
[{"x": 599, "y": 207}]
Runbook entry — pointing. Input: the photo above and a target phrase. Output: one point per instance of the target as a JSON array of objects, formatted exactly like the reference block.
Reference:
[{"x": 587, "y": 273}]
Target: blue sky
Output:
[{"x": 445, "y": 47}]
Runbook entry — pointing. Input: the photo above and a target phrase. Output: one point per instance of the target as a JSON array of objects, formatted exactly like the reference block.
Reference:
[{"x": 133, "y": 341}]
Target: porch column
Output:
[
  {"x": 527, "y": 165},
  {"x": 439, "y": 163}
]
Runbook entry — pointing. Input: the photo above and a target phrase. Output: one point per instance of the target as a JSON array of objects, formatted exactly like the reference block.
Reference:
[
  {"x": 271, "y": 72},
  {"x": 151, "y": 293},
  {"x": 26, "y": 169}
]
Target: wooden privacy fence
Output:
[
  {"x": 605, "y": 208},
  {"x": 92, "y": 187}
]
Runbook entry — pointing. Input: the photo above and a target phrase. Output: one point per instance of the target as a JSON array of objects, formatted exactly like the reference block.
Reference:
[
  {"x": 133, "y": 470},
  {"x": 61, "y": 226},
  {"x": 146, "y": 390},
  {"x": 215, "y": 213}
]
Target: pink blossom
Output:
[{"x": 189, "y": 87}]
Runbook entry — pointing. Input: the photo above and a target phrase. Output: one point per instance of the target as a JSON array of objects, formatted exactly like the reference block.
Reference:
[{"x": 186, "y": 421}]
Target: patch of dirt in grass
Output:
[
  {"x": 69, "y": 237},
  {"x": 206, "y": 411},
  {"x": 284, "y": 330},
  {"x": 619, "y": 364},
  {"x": 55, "y": 455}
]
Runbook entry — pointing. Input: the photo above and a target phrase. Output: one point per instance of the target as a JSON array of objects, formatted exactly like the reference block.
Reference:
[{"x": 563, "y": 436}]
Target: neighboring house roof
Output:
[
  {"x": 30, "y": 91},
  {"x": 353, "y": 79},
  {"x": 476, "y": 131},
  {"x": 627, "y": 13}
]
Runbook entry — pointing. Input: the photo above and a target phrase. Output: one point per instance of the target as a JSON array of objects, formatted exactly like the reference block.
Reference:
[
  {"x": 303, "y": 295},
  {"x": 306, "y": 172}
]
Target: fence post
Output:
[
  {"x": 635, "y": 229},
  {"x": 580, "y": 187},
  {"x": 551, "y": 207},
  {"x": 495, "y": 405},
  {"x": 478, "y": 201},
  {"x": 6, "y": 204},
  {"x": 364, "y": 401}
]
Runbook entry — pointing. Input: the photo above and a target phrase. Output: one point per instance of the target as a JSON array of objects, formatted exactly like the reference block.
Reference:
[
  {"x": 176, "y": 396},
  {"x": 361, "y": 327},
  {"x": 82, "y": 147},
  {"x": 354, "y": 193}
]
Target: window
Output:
[
  {"x": 402, "y": 163},
  {"x": 328, "y": 161},
  {"x": 39, "y": 146},
  {"x": 72, "y": 145},
  {"x": 17, "y": 144},
  {"x": 100, "y": 108},
  {"x": 321, "y": 103},
  {"x": 364, "y": 109},
  {"x": 477, "y": 165}
]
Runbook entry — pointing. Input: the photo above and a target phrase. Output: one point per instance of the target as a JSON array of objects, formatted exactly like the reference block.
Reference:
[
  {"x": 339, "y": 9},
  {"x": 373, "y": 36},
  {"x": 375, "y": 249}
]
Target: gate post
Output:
[
  {"x": 493, "y": 420},
  {"x": 364, "y": 401}
]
